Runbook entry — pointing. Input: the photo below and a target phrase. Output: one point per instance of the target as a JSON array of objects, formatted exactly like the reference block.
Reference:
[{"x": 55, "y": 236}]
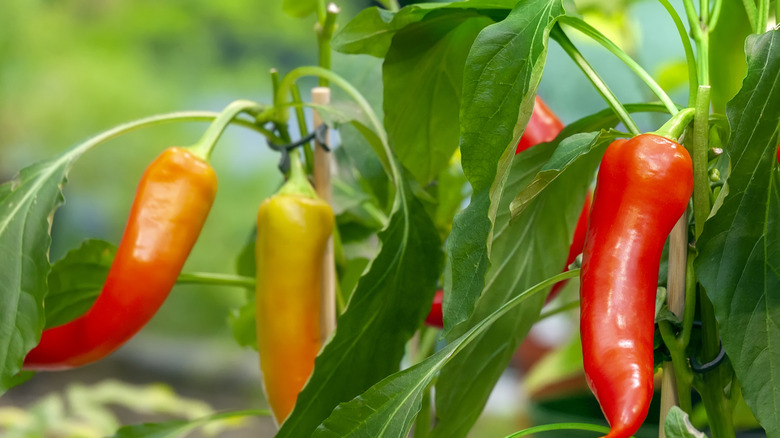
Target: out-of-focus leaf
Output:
[
  {"x": 672, "y": 74},
  {"x": 739, "y": 251},
  {"x": 299, "y": 8},
  {"x": 727, "y": 54},
  {"x": 179, "y": 428}
]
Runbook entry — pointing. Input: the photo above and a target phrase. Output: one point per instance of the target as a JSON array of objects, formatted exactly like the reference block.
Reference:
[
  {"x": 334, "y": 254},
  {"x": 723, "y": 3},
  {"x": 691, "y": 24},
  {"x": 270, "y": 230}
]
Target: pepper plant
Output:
[{"x": 446, "y": 182}]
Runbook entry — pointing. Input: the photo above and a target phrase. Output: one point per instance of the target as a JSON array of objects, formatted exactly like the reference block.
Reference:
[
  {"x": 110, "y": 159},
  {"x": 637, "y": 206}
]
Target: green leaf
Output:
[
  {"x": 27, "y": 204},
  {"x": 677, "y": 425},
  {"x": 739, "y": 251},
  {"x": 423, "y": 77},
  {"x": 76, "y": 280},
  {"x": 390, "y": 302},
  {"x": 372, "y": 30},
  {"x": 299, "y": 8},
  {"x": 502, "y": 72},
  {"x": 523, "y": 252},
  {"x": 178, "y": 428},
  {"x": 388, "y": 409},
  {"x": 727, "y": 55},
  {"x": 569, "y": 150}
]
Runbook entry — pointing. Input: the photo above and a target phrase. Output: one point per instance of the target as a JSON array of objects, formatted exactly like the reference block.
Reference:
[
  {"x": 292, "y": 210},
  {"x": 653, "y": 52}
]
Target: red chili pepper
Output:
[
  {"x": 643, "y": 188},
  {"x": 435, "y": 317},
  {"x": 171, "y": 204},
  {"x": 543, "y": 126}
]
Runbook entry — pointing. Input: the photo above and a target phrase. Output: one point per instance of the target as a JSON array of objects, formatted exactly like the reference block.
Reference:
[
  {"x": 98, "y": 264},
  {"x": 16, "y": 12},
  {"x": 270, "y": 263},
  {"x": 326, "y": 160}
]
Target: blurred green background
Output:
[{"x": 70, "y": 69}]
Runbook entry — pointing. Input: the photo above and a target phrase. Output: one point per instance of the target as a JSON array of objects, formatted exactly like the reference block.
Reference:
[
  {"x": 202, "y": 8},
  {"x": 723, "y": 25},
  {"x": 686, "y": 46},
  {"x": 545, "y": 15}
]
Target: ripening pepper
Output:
[
  {"x": 643, "y": 188},
  {"x": 170, "y": 207},
  {"x": 293, "y": 228}
]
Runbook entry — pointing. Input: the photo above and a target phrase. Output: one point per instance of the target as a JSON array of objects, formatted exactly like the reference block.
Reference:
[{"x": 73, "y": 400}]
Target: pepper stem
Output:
[
  {"x": 298, "y": 182},
  {"x": 675, "y": 126},
  {"x": 205, "y": 145}
]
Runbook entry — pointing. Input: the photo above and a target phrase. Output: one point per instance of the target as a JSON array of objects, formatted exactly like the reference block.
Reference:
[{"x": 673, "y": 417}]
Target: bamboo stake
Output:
[
  {"x": 321, "y": 96},
  {"x": 675, "y": 297}
]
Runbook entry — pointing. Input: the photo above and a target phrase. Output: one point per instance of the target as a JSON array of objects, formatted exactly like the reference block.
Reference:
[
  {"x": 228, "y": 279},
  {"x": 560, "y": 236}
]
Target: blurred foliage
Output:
[
  {"x": 88, "y": 411},
  {"x": 73, "y": 68}
]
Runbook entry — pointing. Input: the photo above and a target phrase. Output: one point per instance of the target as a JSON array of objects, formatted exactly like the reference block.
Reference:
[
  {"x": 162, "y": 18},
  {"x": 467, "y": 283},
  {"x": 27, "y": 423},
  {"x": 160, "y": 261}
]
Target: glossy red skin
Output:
[
  {"x": 543, "y": 126},
  {"x": 171, "y": 204},
  {"x": 643, "y": 188},
  {"x": 435, "y": 317}
]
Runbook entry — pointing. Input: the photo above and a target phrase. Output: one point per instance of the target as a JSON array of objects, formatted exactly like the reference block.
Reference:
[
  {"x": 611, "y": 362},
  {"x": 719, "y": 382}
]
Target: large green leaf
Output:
[
  {"x": 423, "y": 78},
  {"x": 389, "y": 408},
  {"x": 739, "y": 251},
  {"x": 391, "y": 300},
  {"x": 372, "y": 30},
  {"x": 524, "y": 251},
  {"x": 27, "y": 204},
  {"x": 502, "y": 72}
]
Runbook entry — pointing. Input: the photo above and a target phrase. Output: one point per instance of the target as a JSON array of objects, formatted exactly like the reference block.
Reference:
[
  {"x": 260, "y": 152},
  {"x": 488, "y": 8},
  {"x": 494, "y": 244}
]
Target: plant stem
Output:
[
  {"x": 281, "y": 126},
  {"x": 701, "y": 180},
  {"x": 693, "y": 19},
  {"x": 558, "y": 35},
  {"x": 762, "y": 16},
  {"x": 690, "y": 58},
  {"x": 325, "y": 27},
  {"x": 216, "y": 279},
  {"x": 690, "y": 300},
  {"x": 205, "y": 145},
  {"x": 303, "y": 130},
  {"x": 713, "y": 397},
  {"x": 715, "y": 16},
  {"x": 682, "y": 372},
  {"x": 597, "y": 36},
  {"x": 159, "y": 119},
  {"x": 373, "y": 120},
  {"x": 752, "y": 13}
]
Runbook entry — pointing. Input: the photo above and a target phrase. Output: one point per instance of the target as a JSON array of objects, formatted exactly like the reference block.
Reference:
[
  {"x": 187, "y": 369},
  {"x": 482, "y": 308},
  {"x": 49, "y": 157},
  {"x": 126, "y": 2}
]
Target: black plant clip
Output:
[
  {"x": 702, "y": 368},
  {"x": 319, "y": 135}
]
